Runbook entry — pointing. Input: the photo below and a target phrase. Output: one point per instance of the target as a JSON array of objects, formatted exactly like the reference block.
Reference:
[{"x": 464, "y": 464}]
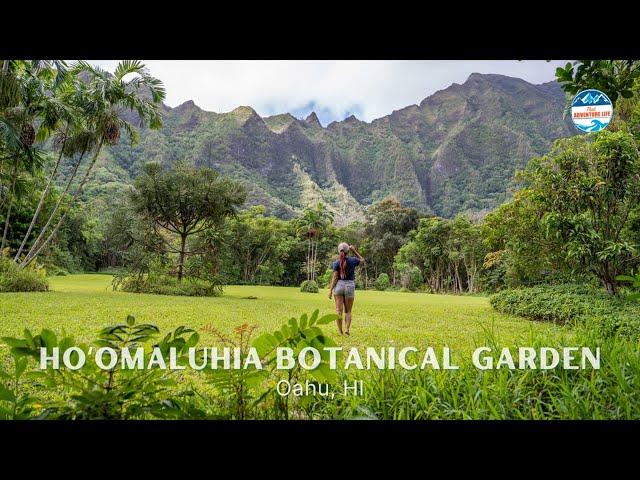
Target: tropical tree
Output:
[
  {"x": 586, "y": 190},
  {"x": 27, "y": 113},
  {"x": 100, "y": 101},
  {"x": 388, "y": 223},
  {"x": 517, "y": 249},
  {"x": 183, "y": 202},
  {"x": 312, "y": 223},
  {"x": 257, "y": 247}
]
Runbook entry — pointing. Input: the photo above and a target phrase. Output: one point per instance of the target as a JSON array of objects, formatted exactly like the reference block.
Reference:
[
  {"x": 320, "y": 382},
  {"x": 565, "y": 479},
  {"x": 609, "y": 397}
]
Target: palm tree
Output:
[
  {"x": 311, "y": 224},
  {"x": 57, "y": 115},
  {"x": 101, "y": 98},
  {"x": 23, "y": 90}
]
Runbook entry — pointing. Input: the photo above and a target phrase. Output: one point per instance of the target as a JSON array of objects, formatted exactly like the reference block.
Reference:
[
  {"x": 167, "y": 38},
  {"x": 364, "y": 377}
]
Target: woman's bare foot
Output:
[{"x": 347, "y": 333}]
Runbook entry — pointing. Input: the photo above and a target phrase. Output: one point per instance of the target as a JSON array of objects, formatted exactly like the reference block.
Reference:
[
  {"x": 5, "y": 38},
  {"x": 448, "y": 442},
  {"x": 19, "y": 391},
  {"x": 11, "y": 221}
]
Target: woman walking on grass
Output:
[{"x": 344, "y": 275}]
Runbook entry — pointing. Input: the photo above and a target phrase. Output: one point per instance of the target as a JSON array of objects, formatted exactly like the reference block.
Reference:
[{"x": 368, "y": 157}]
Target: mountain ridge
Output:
[{"x": 455, "y": 151}]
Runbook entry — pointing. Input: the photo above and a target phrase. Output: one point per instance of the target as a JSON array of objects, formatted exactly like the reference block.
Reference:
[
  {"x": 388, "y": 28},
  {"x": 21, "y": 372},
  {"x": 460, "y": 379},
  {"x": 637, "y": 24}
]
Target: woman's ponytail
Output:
[{"x": 343, "y": 265}]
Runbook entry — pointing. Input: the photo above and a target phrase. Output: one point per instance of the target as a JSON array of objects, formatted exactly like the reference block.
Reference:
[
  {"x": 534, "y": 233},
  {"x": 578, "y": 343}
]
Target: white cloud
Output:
[{"x": 372, "y": 88}]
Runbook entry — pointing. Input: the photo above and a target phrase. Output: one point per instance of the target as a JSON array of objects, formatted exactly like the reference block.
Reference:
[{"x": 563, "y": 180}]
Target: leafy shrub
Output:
[
  {"x": 56, "y": 271},
  {"x": 309, "y": 286},
  {"x": 634, "y": 280},
  {"x": 251, "y": 392},
  {"x": 15, "y": 279},
  {"x": 91, "y": 392},
  {"x": 571, "y": 303},
  {"x": 166, "y": 285},
  {"x": 382, "y": 282},
  {"x": 131, "y": 393},
  {"x": 410, "y": 276},
  {"x": 325, "y": 278}
]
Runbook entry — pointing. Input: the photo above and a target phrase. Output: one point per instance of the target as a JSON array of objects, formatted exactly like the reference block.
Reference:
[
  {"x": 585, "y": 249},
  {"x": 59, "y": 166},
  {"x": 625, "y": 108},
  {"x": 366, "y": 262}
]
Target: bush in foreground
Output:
[
  {"x": 14, "y": 279},
  {"x": 309, "y": 286},
  {"x": 572, "y": 304},
  {"x": 166, "y": 285}
]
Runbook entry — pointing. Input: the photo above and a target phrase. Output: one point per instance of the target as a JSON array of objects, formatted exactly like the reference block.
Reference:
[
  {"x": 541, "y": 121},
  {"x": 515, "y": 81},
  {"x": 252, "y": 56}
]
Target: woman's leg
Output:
[
  {"x": 348, "y": 305},
  {"x": 339, "y": 307}
]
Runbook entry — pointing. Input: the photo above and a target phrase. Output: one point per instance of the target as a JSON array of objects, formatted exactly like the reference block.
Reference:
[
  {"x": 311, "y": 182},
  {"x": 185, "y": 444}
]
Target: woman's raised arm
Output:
[{"x": 355, "y": 252}]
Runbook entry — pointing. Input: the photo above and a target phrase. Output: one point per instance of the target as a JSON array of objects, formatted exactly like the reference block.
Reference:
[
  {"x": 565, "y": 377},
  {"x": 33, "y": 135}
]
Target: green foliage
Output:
[
  {"x": 90, "y": 392},
  {"x": 449, "y": 252},
  {"x": 95, "y": 393},
  {"x": 252, "y": 392},
  {"x": 388, "y": 223},
  {"x": 382, "y": 282},
  {"x": 181, "y": 212},
  {"x": 519, "y": 251},
  {"x": 296, "y": 334},
  {"x": 14, "y": 279},
  {"x": 166, "y": 285},
  {"x": 612, "y": 392},
  {"x": 256, "y": 249},
  {"x": 312, "y": 225},
  {"x": 583, "y": 192},
  {"x": 634, "y": 280},
  {"x": 309, "y": 286},
  {"x": 613, "y": 77},
  {"x": 16, "y": 403},
  {"x": 325, "y": 279},
  {"x": 573, "y": 304},
  {"x": 410, "y": 276}
]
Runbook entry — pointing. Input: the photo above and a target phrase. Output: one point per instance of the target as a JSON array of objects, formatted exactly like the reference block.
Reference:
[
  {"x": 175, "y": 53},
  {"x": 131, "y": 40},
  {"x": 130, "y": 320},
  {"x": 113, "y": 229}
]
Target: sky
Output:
[{"x": 368, "y": 89}]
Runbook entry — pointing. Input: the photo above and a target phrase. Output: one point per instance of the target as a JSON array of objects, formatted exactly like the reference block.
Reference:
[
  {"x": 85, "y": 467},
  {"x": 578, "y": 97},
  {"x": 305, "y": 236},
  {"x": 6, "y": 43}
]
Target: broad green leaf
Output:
[
  {"x": 625, "y": 278},
  {"x": 332, "y": 317},
  {"x": 6, "y": 394},
  {"x": 14, "y": 342},
  {"x": 293, "y": 323},
  {"x": 21, "y": 366},
  {"x": 193, "y": 340}
]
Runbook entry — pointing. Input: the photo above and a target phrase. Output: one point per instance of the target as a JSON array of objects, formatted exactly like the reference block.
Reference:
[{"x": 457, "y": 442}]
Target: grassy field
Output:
[{"x": 82, "y": 304}]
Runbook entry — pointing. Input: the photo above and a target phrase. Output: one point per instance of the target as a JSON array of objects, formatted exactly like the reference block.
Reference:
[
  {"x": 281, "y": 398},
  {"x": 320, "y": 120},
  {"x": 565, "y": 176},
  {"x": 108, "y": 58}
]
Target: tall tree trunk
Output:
[
  {"x": 608, "y": 278},
  {"x": 183, "y": 243},
  {"x": 10, "y": 205},
  {"x": 44, "y": 229},
  {"x": 313, "y": 262},
  {"x": 34, "y": 251},
  {"x": 309, "y": 259},
  {"x": 42, "y": 198}
]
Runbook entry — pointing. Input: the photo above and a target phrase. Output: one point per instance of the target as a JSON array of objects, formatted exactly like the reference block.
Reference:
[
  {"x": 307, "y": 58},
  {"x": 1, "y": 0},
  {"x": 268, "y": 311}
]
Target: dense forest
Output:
[{"x": 575, "y": 214}]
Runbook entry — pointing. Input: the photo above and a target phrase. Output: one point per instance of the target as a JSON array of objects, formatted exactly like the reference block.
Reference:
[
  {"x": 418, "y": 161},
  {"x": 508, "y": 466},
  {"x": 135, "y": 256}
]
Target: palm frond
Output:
[{"x": 125, "y": 67}]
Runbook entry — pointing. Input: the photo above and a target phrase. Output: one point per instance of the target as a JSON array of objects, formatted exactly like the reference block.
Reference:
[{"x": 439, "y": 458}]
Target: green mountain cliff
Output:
[{"x": 454, "y": 152}]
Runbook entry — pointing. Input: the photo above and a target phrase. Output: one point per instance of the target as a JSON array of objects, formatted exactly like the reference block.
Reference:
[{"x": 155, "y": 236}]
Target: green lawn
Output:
[{"x": 82, "y": 304}]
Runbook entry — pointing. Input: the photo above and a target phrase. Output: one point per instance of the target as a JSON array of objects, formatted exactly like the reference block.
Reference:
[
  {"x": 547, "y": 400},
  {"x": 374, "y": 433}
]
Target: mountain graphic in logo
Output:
[{"x": 591, "y": 97}]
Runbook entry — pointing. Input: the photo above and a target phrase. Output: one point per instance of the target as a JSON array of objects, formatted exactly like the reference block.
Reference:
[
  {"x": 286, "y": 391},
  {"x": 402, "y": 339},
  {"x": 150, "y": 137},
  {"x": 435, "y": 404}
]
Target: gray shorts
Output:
[{"x": 346, "y": 288}]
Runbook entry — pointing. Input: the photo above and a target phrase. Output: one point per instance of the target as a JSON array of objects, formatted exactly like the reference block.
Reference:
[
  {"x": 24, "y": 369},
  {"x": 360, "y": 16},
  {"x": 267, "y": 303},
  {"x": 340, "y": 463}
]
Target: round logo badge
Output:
[{"x": 591, "y": 111}]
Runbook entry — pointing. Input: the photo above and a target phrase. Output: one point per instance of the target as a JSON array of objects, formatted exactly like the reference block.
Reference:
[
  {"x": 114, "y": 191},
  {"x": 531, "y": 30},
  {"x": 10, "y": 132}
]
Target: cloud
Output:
[{"x": 334, "y": 89}]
